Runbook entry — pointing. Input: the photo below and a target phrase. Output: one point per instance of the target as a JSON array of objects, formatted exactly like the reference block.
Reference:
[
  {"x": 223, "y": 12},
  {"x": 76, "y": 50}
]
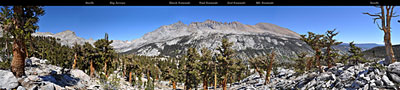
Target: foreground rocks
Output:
[
  {"x": 7, "y": 80},
  {"x": 41, "y": 76},
  {"x": 362, "y": 76}
]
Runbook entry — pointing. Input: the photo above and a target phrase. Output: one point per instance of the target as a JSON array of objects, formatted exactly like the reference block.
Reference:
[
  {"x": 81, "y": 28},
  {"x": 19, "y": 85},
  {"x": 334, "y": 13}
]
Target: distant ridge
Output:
[
  {"x": 180, "y": 29},
  {"x": 66, "y": 37},
  {"x": 380, "y": 52},
  {"x": 249, "y": 40}
]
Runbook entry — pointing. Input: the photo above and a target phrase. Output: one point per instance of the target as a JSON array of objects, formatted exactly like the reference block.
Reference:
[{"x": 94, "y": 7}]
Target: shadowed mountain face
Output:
[{"x": 380, "y": 52}]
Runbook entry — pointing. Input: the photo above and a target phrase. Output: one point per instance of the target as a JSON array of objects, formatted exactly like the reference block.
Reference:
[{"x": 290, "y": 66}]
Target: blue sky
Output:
[{"x": 131, "y": 22}]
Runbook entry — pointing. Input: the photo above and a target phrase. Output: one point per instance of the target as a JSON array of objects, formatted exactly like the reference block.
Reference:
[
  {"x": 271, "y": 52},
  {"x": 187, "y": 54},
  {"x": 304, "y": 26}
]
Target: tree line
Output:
[{"x": 192, "y": 68}]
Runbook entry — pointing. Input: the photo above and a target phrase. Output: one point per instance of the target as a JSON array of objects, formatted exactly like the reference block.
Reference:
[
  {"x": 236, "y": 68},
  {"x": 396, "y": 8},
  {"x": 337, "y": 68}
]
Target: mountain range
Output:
[
  {"x": 363, "y": 46},
  {"x": 174, "y": 39},
  {"x": 67, "y": 37}
]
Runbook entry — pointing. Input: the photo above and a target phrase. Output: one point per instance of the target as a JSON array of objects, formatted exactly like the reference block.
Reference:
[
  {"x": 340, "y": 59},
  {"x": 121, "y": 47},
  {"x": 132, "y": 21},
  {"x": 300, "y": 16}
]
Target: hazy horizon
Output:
[{"x": 129, "y": 23}]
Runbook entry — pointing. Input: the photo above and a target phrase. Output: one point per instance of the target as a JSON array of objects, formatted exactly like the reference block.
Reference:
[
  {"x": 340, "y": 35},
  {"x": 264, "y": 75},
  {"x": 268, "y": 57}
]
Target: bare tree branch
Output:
[
  {"x": 375, "y": 15},
  {"x": 376, "y": 19},
  {"x": 379, "y": 27}
]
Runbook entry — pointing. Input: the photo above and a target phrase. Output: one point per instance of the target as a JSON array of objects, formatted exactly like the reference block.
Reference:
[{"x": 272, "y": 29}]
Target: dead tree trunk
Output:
[
  {"x": 390, "y": 58},
  {"x": 385, "y": 16}
]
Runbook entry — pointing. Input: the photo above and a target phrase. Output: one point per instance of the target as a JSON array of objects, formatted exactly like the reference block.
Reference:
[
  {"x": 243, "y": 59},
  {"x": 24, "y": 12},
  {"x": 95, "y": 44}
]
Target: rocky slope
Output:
[
  {"x": 179, "y": 29},
  {"x": 249, "y": 40},
  {"x": 357, "y": 77},
  {"x": 41, "y": 76},
  {"x": 245, "y": 45}
]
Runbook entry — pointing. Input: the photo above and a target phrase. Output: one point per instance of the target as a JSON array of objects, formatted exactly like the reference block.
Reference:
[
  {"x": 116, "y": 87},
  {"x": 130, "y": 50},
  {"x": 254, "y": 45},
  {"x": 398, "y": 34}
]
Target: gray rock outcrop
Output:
[
  {"x": 8, "y": 80},
  {"x": 41, "y": 76},
  {"x": 361, "y": 76}
]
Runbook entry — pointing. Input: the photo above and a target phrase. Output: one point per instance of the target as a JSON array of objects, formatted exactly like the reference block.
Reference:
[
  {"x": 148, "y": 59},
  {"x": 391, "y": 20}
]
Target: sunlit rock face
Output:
[
  {"x": 249, "y": 40},
  {"x": 66, "y": 37},
  {"x": 364, "y": 76}
]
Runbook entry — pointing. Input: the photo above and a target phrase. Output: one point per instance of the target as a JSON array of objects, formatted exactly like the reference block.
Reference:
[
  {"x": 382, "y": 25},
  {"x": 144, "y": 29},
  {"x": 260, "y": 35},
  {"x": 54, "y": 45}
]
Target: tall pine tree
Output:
[
  {"x": 225, "y": 61},
  {"x": 20, "y": 22}
]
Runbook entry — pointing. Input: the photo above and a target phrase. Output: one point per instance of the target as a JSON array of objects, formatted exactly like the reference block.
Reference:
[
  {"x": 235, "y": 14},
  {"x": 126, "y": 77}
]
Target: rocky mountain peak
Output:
[
  {"x": 68, "y": 37},
  {"x": 66, "y": 32},
  {"x": 205, "y": 29},
  {"x": 208, "y": 21},
  {"x": 177, "y": 25},
  {"x": 276, "y": 29}
]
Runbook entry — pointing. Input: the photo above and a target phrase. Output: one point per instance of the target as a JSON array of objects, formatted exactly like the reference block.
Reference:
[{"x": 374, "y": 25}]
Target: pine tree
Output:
[
  {"x": 206, "y": 66},
  {"x": 135, "y": 68},
  {"x": 356, "y": 55},
  {"x": 263, "y": 63},
  {"x": 242, "y": 71},
  {"x": 169, "y": 70},
  {"x": 5, "y": 51},
  {"x": 329, "y": 41},
  {"x": 89, "y": 55},
  {"x": 191, "y": 68},
  {"x": 19, "y": 22},
  {"x": 77, "y": 51},
  {"x": 314, "y": 40},
  {"x": 225, "y": 61},
  {"x": 106, "y": 53},
  {"x": 301, "y": 60},
  {"x": 270, "y": 65}
]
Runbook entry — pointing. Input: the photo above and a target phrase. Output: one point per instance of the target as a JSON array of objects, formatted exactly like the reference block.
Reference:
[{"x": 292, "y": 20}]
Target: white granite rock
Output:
[{"x": 8, "y": 80}]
